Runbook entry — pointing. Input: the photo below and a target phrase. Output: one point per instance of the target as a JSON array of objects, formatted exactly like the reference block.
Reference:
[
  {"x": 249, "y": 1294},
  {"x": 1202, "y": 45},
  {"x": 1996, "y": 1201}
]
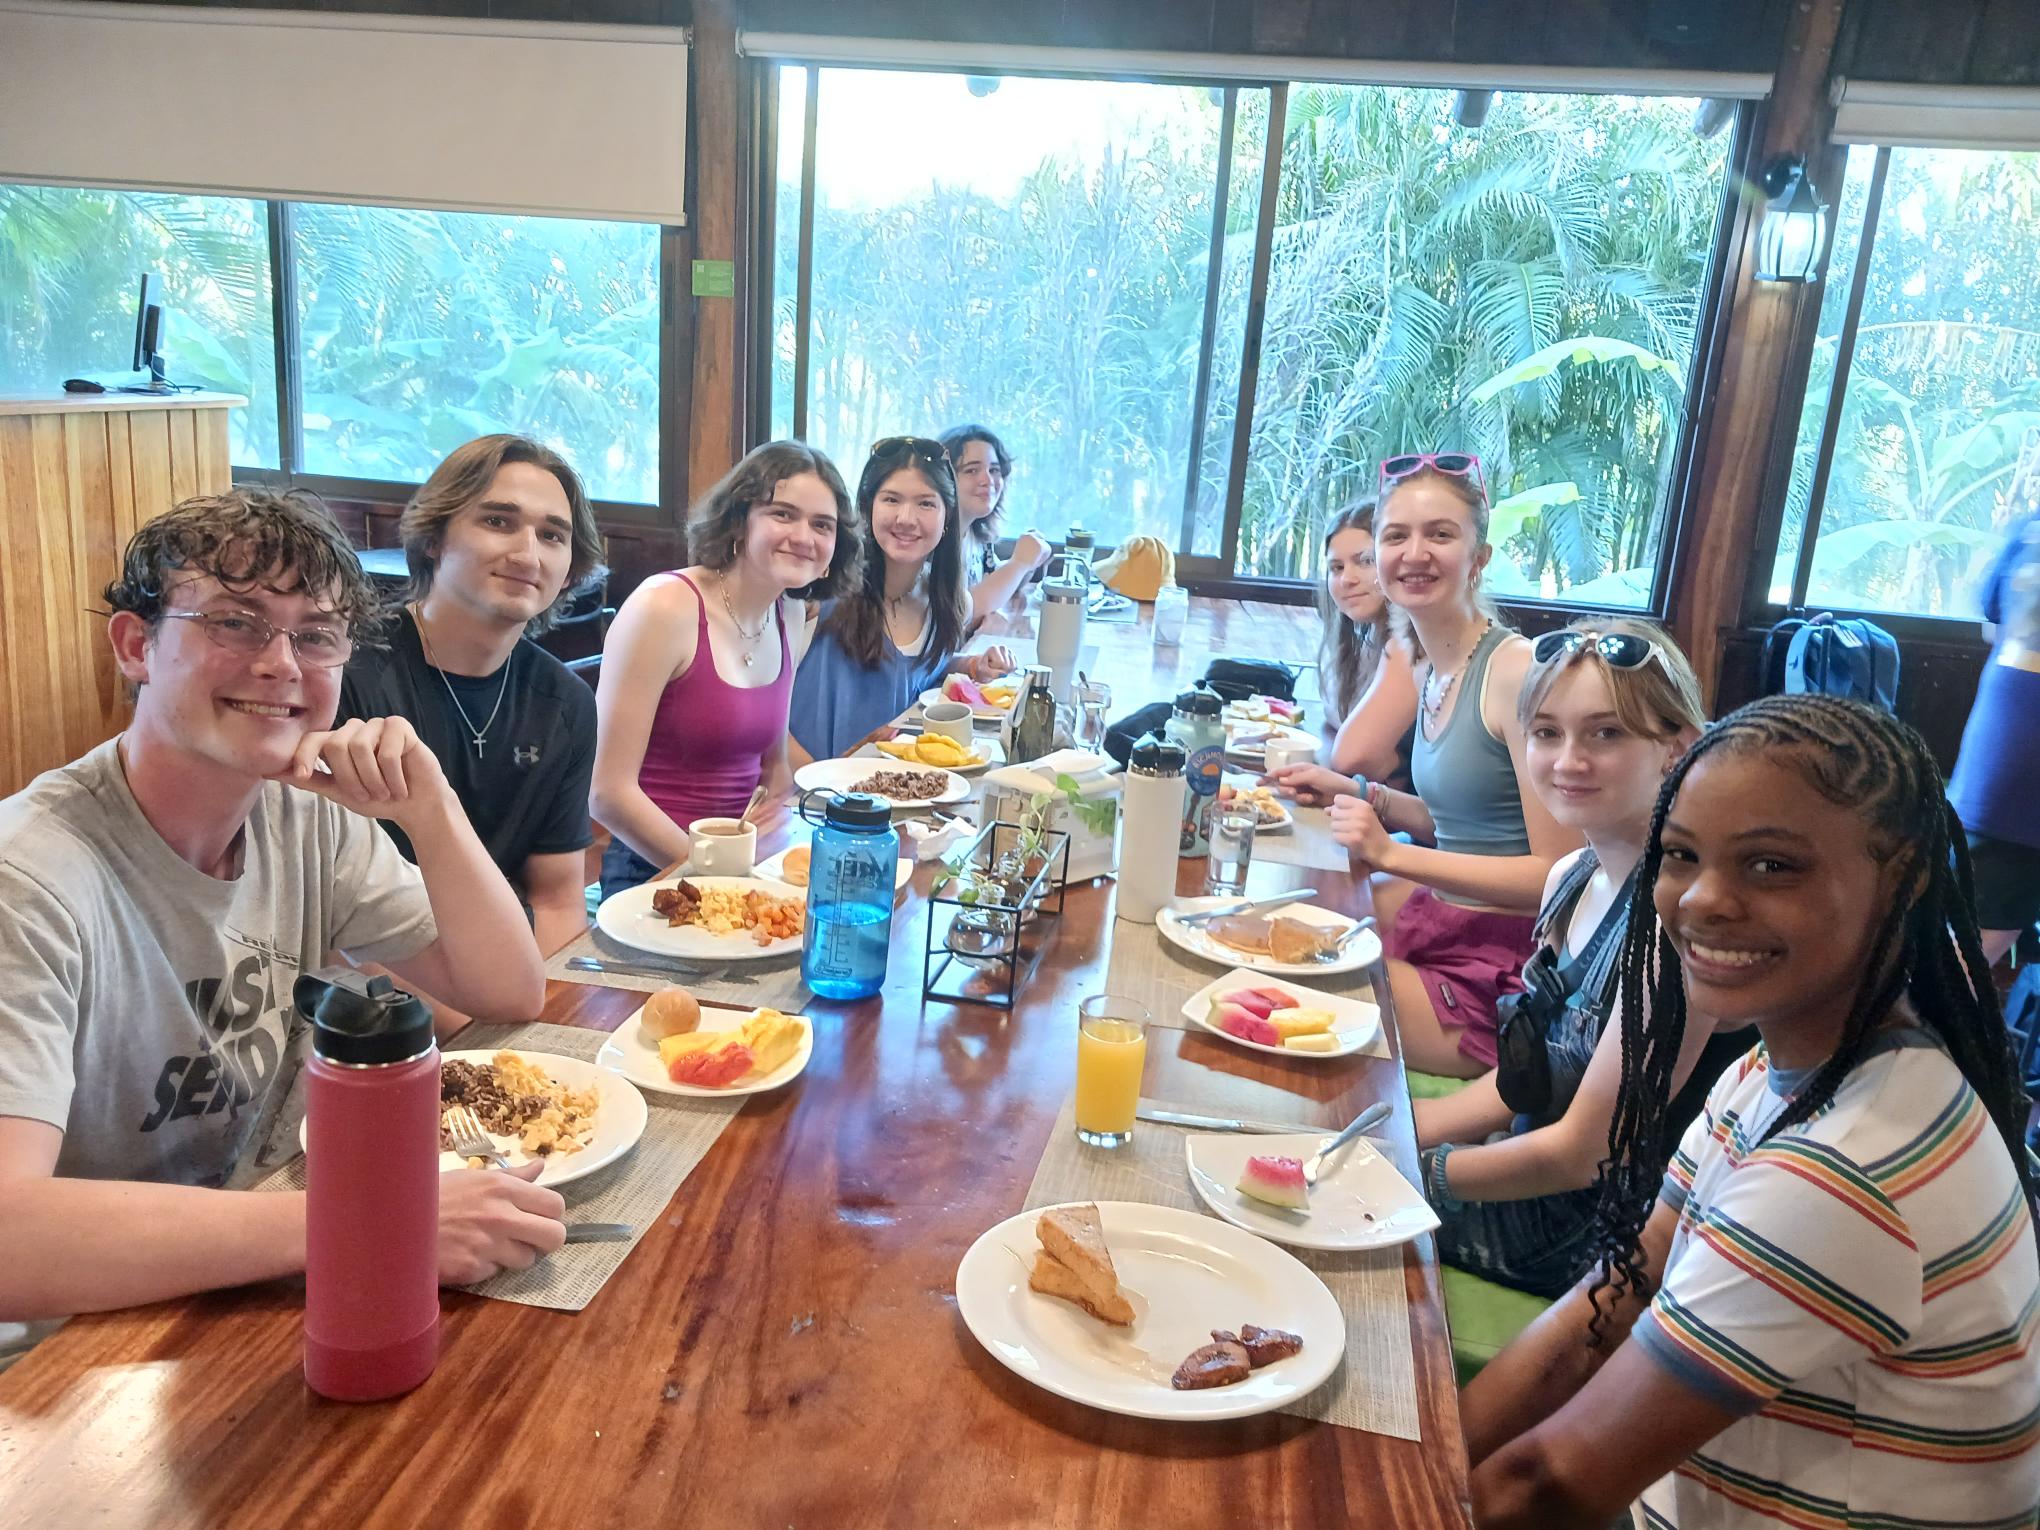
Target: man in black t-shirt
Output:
[{"x": 497, "y": 539}]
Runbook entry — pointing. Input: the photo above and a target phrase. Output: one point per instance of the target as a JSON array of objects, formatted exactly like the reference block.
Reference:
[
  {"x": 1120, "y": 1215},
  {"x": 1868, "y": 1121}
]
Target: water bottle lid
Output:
[
  {"x": 1079, "y": 539},
  {"x": 1200, "y": 701},
  {"x": 1153, "y": 756},
  {"x": 1064, "y": 591},
  {"x": 363, "y": 1021},
  {"x": 859, "y": 810}
]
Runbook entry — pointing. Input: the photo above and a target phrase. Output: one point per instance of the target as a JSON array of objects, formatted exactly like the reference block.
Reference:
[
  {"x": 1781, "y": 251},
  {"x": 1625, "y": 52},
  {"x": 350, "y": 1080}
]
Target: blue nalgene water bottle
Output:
[{"x": 849, "y": 897}]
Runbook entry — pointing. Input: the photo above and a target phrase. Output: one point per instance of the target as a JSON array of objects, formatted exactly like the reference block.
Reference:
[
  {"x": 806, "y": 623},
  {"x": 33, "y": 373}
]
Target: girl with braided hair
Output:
[{"x": 1831, "y": 1315}]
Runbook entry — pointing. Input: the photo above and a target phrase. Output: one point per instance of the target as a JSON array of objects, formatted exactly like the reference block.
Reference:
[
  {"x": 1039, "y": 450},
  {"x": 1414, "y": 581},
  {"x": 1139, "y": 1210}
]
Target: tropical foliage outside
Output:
[
  {"x": 418, "y": 330},
  {"x": 1943, "y": 387},
  {"x": 1528, "y": 290}
]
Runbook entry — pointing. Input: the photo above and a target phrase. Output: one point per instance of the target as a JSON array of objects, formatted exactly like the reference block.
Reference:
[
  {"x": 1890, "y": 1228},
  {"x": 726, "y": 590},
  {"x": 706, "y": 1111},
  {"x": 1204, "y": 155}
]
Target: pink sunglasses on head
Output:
[{"x": 1452, "y": 464}]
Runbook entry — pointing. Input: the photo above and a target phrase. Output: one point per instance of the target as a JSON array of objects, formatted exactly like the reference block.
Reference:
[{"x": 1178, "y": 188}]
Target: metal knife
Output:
[
  {"x": 1257, "y": 906},
  {"x": 1221, "y": 1123},
  {"x": 600, "y": 1232},
  {"x": 632, "y": 969}
]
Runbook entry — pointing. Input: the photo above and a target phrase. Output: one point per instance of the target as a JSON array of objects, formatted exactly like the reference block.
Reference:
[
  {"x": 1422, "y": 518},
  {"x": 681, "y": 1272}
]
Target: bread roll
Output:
[
  {"x": 669, "y": 1012},
  {"x": 794, "y": 869}
]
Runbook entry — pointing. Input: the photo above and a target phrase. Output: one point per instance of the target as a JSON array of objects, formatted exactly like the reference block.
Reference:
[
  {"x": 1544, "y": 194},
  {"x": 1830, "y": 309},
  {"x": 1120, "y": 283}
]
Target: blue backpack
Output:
[{"x": 1855, "y": 659}]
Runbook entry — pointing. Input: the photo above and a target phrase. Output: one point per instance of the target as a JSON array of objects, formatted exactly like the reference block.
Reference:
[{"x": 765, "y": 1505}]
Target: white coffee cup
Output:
[
  {"x": 1289, "y": 751},
  {"x": 951, "y": 719},
  {"x": 721, "y": 847}
]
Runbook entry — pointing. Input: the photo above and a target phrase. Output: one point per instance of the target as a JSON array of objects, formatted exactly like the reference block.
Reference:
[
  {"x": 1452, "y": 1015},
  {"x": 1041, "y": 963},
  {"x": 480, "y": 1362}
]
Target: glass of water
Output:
[{"x": 1232, "y": 849}]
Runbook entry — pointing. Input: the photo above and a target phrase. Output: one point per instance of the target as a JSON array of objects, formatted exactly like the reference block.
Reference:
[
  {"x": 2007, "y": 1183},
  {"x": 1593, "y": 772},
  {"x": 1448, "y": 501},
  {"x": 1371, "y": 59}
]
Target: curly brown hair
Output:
[
  {"x": 716, "y": 527},
  {"x": 251, "y": 538}
]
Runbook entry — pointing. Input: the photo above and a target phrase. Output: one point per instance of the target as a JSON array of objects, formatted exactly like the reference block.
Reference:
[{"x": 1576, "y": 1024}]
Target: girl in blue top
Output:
[{"x": 878, "y": 645}]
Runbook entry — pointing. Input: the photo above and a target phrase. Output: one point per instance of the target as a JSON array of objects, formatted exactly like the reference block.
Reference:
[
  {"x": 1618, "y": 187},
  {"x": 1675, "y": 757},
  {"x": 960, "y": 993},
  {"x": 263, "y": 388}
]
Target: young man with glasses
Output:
[
  {"x": 165, "y": 891},
  {"x": 498, "y": 539}
]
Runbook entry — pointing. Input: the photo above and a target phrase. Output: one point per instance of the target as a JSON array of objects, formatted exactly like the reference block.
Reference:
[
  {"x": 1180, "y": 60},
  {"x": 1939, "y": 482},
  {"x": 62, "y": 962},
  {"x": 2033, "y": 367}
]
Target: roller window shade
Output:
[
  {"x": 1938, "y": 116},
  {"x": 492, "y": 116},
  {"x": 1242, "y": 68}
]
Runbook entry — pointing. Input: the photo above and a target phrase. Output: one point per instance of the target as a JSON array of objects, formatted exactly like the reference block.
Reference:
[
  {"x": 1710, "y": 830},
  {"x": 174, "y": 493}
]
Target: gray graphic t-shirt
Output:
[{"x": 145, "y": 1007}]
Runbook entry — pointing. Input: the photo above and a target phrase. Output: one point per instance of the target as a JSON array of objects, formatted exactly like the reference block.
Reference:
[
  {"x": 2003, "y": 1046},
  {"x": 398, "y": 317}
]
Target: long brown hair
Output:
[
  {"x": 463, "y": 478},
  {"x": 984, "y": 533},
  {"x": 1469, "y": 494},
  {"x": 1348, "y": 655},
  {"x": 858, "y": 617}
]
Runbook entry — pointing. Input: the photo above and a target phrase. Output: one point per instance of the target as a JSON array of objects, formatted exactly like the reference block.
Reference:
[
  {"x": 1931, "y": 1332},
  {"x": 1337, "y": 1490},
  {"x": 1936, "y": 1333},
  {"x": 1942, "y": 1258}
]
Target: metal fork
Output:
[{"x": 469, "y": 1140}]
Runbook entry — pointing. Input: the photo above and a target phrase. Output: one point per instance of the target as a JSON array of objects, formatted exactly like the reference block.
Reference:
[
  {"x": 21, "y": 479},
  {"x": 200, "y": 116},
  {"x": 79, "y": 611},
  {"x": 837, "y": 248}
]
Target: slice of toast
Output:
[
  {"x": 1075, "y": 1239},
  {"x": 1051, "y": 1277}
]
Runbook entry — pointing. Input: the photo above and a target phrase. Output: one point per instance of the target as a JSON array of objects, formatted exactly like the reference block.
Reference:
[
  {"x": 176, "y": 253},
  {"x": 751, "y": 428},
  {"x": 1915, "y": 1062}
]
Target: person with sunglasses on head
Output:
[
  {"x": 1457, "y": 903},
  {"x": 698, "y": 667},
  {"x": 983, "y": 469},
  {"x": 1365, "y": 674},
  {"x": 1822, "y": 1308},
  {"x": 163, "y": 894},
  {"x": 882, "y": 641},
  {"x": 1609, "y": 706},
  {"x": 499, "y": 539}
]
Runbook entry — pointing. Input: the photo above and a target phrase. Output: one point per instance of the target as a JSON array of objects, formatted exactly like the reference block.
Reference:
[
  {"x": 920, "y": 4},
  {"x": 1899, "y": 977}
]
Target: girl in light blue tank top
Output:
[
  {"x": 1457, "y": 901},
  {"x": 877, "y": 646}
]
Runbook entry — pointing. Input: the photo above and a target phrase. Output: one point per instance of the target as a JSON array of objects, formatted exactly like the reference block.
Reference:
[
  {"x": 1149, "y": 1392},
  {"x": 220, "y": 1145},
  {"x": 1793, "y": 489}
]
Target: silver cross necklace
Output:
[{"x": 481, "y": 733}]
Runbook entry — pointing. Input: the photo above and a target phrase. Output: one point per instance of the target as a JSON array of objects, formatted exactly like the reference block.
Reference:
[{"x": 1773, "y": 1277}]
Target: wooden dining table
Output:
[{"x": 783, "y": 1348}]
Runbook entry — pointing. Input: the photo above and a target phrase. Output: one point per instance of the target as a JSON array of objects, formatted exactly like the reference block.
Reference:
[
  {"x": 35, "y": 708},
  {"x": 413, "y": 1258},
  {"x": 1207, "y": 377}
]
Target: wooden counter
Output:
[{"x": 78, "y": 473}]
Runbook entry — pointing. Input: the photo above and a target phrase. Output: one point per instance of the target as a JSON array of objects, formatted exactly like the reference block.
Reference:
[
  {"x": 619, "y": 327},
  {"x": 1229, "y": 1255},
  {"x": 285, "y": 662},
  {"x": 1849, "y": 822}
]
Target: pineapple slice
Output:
[{"x": 1300, "y": 1022}]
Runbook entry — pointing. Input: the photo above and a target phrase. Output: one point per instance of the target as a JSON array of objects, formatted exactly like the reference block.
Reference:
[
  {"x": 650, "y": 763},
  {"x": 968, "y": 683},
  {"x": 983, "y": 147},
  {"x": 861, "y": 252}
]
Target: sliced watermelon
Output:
[
  {"x": 1246, "y": 1025},
  {"x": 715, "y": 1069},
  {"x": 1277, "y": 998},
  {"x": 963, "y": 688},
  {"x": 1253, "y": 1001}
]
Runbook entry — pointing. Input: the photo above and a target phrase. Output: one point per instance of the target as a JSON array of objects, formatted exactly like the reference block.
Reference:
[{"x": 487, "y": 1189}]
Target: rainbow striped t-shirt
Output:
[{"x": 1864, "y": 1289}]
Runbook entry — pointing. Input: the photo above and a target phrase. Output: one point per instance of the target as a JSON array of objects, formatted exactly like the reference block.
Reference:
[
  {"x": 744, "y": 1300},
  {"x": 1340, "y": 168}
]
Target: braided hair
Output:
[{"x": 1926, "y": 949}]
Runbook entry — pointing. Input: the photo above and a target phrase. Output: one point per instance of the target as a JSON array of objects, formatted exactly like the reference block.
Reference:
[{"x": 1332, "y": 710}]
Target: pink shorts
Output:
[{"x": 1468, "y": 958}]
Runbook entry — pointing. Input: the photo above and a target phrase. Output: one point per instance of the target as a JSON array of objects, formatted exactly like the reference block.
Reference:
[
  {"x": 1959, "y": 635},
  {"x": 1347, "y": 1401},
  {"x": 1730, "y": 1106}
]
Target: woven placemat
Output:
[
  {"x": 1307, "y": 842},
  {"x": 1160, "y": 975},
  {"x": 1376, "y": 1388},
  {"x": 772, "y": 984},
  {"x": 635, "y": 1189}
]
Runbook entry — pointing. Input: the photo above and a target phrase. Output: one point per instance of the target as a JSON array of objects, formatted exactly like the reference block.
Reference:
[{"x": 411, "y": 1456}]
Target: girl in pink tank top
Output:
[{"x": 681, "y": 735}]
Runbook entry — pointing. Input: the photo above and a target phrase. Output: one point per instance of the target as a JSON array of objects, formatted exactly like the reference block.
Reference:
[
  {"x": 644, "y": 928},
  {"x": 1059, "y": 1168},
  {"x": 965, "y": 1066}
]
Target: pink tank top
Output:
[{"x": 709, "y": 738}]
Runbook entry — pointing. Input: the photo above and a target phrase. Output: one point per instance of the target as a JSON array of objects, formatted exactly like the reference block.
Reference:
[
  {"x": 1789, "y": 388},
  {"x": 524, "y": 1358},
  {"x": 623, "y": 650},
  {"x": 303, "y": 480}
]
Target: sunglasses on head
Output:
[
  {"x": 913, "y": 446},
  {"x": 1618, "y": 650},
  {"x": 1452, "y": 464}
]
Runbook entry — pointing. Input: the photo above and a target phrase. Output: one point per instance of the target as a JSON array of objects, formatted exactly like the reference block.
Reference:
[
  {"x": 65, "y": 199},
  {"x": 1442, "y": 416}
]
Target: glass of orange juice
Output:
[{"x": 1111, "y": 1047}]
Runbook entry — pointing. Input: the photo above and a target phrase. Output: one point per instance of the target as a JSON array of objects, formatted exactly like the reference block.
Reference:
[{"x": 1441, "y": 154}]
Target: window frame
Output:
[
  {"x": 1759, "y": 609},
  {"x": 1219, "y": 573},
  {"x": 290, "y": 473}
]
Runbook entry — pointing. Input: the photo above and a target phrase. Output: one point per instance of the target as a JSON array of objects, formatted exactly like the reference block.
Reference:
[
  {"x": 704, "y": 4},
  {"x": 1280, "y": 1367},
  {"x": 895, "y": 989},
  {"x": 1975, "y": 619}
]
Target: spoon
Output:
[
  {"x": 1373, "y": 1115},
  {"x": 757, "y": 797}
]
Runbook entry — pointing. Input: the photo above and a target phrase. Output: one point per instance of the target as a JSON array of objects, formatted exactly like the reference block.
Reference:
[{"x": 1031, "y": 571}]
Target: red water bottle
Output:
[{"x": 371, "y": 1188}]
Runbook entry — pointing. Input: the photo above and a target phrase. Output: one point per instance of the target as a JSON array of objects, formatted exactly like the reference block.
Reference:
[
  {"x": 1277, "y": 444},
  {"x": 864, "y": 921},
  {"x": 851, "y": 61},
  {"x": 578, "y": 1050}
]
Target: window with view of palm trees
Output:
[
  {"x": 70, "y": 260},
  {"x": 1039, "y": 255},
  {"x": 1919, "y": 438}
]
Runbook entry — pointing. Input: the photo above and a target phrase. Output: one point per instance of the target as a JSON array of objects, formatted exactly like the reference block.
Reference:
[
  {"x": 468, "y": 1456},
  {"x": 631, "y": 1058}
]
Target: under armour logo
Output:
[{"x": 525, "y": 754}]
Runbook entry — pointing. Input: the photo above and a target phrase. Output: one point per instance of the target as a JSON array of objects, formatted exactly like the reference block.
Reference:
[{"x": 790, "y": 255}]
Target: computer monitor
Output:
[{"x": 148, "y": 337}]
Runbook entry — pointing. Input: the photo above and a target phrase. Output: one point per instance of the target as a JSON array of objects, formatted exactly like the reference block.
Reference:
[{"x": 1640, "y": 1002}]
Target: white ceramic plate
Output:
[
  {"x": 1244, "y": 712},
  {"x": 1355, "y": 1022},
  {"x": 628, "y": 1052},
  {"x": 1266, "y": 825},
  {"x": 627, "y": 916},
  {"x": 619, "y": 1119},
  {"x": 1255, "y": 752},
  {"x": 843, "y": 776},
  {"x": 986, "y": 713},
  {"x": 775, "y": 868},
  {"x": 1359, "y": 1201},
  {"x": 1185, "y": 1275},
  {"x": 1363, "y": 951}
]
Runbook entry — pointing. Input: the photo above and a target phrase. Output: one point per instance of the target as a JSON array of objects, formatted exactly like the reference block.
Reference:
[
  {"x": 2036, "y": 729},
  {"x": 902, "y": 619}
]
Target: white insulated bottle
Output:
[{"x": 1151, "y": 818}]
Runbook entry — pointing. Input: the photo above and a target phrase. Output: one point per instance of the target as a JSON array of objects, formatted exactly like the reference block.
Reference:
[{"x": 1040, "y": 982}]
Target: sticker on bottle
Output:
[{"x": 1205, "y": 769}]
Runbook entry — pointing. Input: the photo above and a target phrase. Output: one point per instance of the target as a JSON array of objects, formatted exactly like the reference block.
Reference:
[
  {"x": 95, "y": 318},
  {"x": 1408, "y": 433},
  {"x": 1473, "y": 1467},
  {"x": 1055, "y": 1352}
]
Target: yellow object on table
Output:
[
  {"x": 1139, "y": 568},
  {"x": 936, "y": 749}
]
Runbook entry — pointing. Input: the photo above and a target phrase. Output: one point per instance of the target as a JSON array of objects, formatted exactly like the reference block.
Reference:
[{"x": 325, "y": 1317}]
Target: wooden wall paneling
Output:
[
  {"x": 2006, "y": 47},
  {"x": 23, "y": 673},
  {"x": 212, "y": 440},
  {"x": 120, "y": 485},
  {"x": 149, "y": 458},
  {"x": 184, "y": 478},
  {"x": 1497, "y": 28},
  {"x": 722, "y": 154},
  {"x": 1905, "y": 40},
  {"x": 1713, "y": 562},
  {"x": 97, "y": 546}
]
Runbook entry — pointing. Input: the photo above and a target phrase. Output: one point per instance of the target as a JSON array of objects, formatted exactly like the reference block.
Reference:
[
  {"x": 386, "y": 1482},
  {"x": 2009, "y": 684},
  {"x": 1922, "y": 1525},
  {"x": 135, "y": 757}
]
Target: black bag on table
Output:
[
  {"x": 1239, "y": 679},
  {"x": 1124, "y": 734}
]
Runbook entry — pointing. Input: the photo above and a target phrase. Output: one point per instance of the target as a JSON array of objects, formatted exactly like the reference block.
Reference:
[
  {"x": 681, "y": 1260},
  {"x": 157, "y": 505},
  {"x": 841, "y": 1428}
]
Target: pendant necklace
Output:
[
  {"x": 1433, "y": 704},
  {"x": 481, "y": 733},
  {"x": 750, "y": 638}
]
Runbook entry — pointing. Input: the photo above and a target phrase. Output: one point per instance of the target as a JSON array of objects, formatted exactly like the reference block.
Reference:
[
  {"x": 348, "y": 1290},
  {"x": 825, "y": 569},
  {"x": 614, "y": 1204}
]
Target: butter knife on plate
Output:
[
  {"x": 1201, "y": 917},
  {"x": 1222, "y": 1123}
]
